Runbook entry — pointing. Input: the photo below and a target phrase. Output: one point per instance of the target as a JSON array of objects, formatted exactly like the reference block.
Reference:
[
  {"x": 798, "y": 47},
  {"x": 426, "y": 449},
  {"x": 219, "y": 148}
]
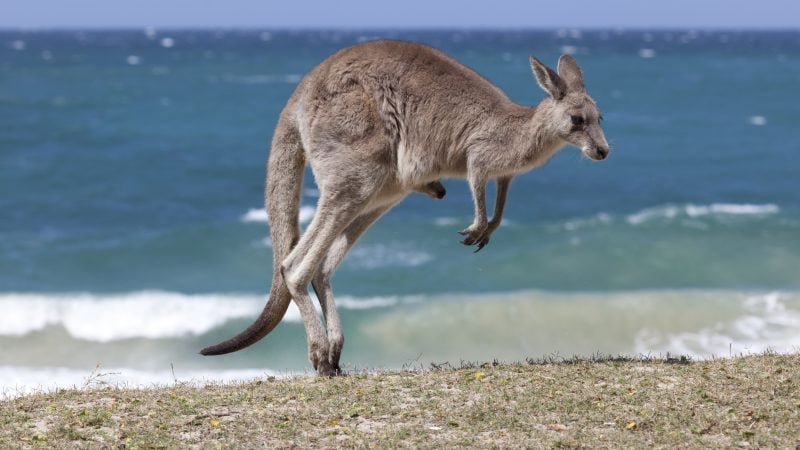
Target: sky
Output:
[{"x": 400, "y": 14}]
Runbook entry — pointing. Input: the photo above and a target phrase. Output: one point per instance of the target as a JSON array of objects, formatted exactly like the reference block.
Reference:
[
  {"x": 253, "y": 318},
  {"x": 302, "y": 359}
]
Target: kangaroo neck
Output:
[{"x": 535, "y": 136}]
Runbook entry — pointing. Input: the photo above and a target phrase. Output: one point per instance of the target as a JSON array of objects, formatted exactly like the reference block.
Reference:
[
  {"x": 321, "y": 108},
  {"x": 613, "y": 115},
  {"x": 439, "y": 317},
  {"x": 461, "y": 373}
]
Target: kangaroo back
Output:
[{"x": 282, "y": 198}]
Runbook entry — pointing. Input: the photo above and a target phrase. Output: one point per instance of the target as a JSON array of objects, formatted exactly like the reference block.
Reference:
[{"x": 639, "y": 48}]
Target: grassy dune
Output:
[{"x": 744, "y": 402}]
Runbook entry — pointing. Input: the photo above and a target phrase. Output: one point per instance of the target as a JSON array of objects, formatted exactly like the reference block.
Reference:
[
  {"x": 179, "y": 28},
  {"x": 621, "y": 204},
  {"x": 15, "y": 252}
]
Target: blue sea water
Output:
[{"x": 132, "y": 230}]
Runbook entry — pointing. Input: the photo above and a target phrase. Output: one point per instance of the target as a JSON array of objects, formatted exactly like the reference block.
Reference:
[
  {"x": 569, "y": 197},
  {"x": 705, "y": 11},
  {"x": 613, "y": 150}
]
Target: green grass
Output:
[{"x": 743, "y": 402}]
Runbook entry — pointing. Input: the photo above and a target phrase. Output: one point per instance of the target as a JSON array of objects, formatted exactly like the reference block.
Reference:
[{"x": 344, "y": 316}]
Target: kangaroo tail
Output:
[{"x": 282, "y": 198}]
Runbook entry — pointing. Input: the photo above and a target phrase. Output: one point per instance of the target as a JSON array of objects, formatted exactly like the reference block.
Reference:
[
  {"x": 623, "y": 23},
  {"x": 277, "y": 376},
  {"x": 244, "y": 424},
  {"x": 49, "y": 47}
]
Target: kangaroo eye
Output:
[{"x": 577, "y": 120}]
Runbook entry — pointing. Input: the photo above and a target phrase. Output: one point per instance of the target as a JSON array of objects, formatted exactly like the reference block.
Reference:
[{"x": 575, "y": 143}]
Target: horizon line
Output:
[{"x": 612, "y": 28}]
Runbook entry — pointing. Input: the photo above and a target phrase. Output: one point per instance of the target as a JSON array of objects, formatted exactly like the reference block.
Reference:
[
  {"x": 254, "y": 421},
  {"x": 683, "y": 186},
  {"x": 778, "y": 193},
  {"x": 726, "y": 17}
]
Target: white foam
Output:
[
  {"x": 150, "y": 32},
  {"x": 167, "y": 42},
  {"x": 255, "y": 215},
  {"x": 668, "y": 212},
  {"x": 142, "y": 314},
  {"x": 766, "y": 324},
  {"x": 16, "y": 381},
  {"x": 647, "y": 53},
  {"x": 366, "y": 303},
  {"x": 445, "y": 221},
  {"x": 731, "y": 208},
  {"x": 691, "y": 210},
  {"x": 569, "y": 49},
  {"x": 597, "y": 219},
  {"x": 133, "y": 60},
  {"x": 757, "y": 120},
  {"x": 260, "y": 215},
  {"x": 306, "y": 213},
  {"x": 18, "y": 45}
]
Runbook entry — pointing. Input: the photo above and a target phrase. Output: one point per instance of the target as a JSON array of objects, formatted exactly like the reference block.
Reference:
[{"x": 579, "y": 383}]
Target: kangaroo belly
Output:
[{"x": 413, "y": 170}]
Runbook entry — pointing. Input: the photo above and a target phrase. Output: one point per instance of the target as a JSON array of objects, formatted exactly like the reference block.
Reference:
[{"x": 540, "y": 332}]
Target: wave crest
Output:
[
  {"x": 693, "y": 211},
  {"x": 143, "y": 314},
  {"x": 766, "y": 323}
]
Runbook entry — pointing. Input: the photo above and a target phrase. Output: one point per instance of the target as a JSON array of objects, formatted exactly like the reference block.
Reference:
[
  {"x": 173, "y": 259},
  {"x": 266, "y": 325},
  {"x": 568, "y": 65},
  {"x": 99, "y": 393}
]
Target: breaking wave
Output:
[
  {"x": 16, "y": 381},
  {"x": 142, "y": 314},
  {"x": 765, "y": 323},
  {"x": 687, "y": 214},
  {"x": 692, "y": 211}
]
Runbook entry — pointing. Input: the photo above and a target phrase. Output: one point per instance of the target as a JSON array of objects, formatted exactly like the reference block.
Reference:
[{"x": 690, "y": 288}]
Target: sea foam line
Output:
[
  {"x": 20, "y": 380},
  {"x": 142, "y": 314},
  {"x": 671, "y": 212},
  {"x": 693, "y": 211},
  {"x": 765, "y": 325}
]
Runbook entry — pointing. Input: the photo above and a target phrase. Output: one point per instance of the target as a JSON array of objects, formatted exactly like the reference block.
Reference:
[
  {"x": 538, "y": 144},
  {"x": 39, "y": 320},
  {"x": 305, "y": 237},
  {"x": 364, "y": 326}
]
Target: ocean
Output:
[{"x": 132, "y": 231}]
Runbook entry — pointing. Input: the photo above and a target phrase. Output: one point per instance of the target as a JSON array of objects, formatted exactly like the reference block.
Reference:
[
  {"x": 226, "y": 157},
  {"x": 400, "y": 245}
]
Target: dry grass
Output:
[{"x": 743, "y": 402}]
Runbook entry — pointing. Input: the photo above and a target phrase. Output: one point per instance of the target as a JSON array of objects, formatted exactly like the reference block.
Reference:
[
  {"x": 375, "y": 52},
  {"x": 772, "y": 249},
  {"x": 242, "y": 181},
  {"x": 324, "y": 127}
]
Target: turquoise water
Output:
[{"x": 131, "y": 185}]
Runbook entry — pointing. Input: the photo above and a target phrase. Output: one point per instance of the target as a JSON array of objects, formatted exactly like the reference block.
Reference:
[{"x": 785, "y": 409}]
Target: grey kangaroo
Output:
[{"x": 377, "y": 121}]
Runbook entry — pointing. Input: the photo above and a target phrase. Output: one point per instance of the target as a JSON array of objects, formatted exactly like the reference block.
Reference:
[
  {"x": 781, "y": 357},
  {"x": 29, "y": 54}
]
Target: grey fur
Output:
[{"x": 381, "y": 119}]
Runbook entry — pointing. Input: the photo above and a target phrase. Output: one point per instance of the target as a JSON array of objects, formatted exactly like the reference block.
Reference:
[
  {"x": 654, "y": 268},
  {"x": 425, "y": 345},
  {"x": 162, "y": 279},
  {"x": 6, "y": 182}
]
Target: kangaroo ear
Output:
[
  {"x": 548, "y": 79},
  {"x": 571, "y": 73}
]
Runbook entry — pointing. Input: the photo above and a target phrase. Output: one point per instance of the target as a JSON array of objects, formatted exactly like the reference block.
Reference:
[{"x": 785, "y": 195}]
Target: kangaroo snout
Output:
[{"x": 596, "y": 153}]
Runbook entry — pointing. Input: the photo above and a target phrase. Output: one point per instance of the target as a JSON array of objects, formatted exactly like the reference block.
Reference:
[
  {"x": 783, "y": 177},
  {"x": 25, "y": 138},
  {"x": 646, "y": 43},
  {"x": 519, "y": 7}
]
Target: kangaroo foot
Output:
[
  {"x": 318, "y": 354},
  {"x": 473, "y": 234},
  {"x": 476, "y": 236},
  {"x": 324, "y": 369},
  {"x": 333, "y": 359},
  {"x": 482, "y": 243}
]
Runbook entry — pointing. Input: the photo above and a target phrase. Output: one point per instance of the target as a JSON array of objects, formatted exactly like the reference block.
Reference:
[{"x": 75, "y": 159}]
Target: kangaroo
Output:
[{"x": 376, "y": 121}]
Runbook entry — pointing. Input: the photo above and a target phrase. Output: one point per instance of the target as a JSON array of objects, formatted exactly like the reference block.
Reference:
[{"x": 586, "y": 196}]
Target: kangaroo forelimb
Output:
[{"x": 497, "y": 216}]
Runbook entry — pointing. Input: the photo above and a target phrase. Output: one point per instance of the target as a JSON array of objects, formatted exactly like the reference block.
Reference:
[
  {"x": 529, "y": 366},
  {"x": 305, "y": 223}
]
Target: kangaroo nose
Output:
[{"x": 602, "y": 152}]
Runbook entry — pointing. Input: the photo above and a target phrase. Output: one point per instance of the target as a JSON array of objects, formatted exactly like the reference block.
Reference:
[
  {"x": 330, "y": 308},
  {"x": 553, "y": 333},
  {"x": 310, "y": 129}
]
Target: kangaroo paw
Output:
[
  {"x": 324, "y": 369},
  {"x": 482, "y": 243},
  {"x": 472, "y": 235}
]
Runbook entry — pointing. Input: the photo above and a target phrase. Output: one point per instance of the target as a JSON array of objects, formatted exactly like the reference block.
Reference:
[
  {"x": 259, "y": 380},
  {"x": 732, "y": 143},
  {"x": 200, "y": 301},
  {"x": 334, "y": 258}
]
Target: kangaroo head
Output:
[{"x": 572, "y": 113}]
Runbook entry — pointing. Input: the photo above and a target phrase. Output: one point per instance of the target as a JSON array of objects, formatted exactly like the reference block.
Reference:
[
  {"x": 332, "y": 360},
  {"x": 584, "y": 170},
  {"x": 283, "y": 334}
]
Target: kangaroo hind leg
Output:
[
  {"x": 322, "y": 280},
  {"x": 341, "y": 201}
]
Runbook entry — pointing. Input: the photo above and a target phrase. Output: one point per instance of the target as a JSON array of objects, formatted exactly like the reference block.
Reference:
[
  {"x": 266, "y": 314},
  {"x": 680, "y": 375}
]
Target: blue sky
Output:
[{"x": 401, "y": 13}]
